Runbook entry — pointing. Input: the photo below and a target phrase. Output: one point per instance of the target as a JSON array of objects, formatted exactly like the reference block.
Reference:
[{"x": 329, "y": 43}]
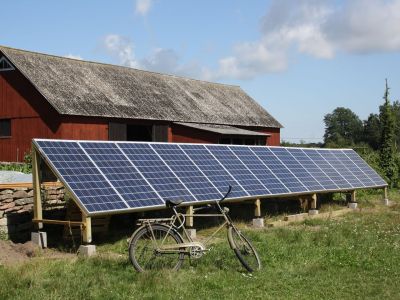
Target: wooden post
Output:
[
  {"x": 314, "y": 201},
  {"x": 257, "y": 210},
  {"x": 189, "y": 220},
  {"x": 37, "y": 195},
  {"x": 353, "y": 196},
  {"x": 385, "y": 196},
  {"x": 87, "y": 229}
]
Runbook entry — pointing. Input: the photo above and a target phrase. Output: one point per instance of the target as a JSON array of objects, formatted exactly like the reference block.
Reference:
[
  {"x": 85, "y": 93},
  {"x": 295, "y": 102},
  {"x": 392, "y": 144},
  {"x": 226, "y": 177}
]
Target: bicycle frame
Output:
[{"x": 172, "y": 225}]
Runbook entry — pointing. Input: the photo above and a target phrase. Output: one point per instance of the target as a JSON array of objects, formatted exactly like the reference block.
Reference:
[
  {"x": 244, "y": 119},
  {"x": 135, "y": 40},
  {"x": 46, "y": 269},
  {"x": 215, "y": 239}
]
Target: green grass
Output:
[{"x": 354, "y": 257}]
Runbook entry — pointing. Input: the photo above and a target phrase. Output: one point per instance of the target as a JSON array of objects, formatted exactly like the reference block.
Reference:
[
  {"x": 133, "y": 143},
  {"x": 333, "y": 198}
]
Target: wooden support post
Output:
[
  {"x": 313, "y": 210},
  {"x": 189, "y": 220},
  {"x": 314, "y": 201},
  {"x": 37, "y": 195},
  {"x": 257, "y": 210},
  {"x": 87, "y": 229},
  {"x": 353, "y": 196},
  {"x": 385, "y": 196},
  {"x": 353, "y": 201}
]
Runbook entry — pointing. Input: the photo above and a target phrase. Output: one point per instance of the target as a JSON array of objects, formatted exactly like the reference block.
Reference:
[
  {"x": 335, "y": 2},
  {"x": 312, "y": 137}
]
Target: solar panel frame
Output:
[{"x": 354, "y": 155}]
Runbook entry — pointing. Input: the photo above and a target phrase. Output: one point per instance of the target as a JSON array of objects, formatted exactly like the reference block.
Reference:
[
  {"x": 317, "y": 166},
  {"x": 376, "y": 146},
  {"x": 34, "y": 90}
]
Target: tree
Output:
[
  {"x": 342, "y": 128},
  {"x": 372, "y": 131},
  {"x": 396, "y": 114},
  {"x": 387, "y": 148}
]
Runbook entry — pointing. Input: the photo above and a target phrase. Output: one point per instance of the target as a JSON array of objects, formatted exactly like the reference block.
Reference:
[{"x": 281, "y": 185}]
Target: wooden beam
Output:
[
  {"x": 37, "y": 195},
  {"x": 189, "y": 220},
  {"x": 257, "y": 209},
  {"x": 314, "y": 201},
  {"x": 86, "y": 229},
  {"x": 29, "y": 185},
  {"x": 385, "y": 193},
  {"x": 58, "y": 222}
]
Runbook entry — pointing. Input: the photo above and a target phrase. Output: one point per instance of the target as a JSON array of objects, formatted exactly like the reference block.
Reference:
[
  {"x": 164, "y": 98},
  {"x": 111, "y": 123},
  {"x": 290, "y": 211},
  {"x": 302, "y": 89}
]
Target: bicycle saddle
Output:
[{"x": 172, "y": 203}]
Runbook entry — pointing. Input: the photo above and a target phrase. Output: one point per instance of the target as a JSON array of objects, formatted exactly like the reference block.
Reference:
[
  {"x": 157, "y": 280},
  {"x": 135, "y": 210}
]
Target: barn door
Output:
[
  {"x": 116, "y": 131},
  {"x": 160, "y": 133}
]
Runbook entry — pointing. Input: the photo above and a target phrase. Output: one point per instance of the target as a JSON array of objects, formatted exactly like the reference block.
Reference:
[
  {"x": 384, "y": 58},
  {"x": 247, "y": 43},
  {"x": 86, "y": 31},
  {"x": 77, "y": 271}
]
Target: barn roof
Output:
[{"x": 75, "y": 87}]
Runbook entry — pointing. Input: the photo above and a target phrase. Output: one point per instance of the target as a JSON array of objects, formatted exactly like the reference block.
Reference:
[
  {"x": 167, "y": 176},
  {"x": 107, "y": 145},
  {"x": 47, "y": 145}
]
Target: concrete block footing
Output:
[
  {"x": 313, "y": 212},
  {"x": 39, "y": 238},
  {"x": 87, "y": 250},
  {"x": 192, "y": 233},
  {"x": 386, "y": 202},
  {"x": 258, "y": 222},
  {"x": 353, "y": 205}
]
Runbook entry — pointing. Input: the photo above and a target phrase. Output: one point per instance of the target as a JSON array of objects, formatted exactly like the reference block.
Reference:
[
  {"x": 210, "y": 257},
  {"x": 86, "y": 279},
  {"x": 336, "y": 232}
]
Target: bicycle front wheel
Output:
[
  {"x": 144, "y": 249},
  {"x": 244, "y": 250}
]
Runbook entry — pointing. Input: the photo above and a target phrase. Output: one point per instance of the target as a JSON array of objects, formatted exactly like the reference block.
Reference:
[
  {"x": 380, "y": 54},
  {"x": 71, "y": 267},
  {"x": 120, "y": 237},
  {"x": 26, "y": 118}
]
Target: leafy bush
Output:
[{"x": 25, "y": 167}]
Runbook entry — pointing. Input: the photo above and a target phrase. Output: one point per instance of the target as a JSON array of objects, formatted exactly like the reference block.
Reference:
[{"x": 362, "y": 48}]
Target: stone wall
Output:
[{"x": 16, "y": 210}]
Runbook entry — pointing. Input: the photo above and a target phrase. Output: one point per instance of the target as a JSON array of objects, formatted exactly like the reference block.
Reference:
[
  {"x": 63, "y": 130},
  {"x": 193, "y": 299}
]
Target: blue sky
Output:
[{"x": 298, "y": 58}]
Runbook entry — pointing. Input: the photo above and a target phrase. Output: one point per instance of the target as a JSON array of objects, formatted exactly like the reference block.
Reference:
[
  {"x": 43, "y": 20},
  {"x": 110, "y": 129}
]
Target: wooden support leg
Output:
[
  {"x": 189, "y": 220},
  {"x": 385, "y": 196},
  {"x": 258, "y": 222},
  {"x": 353, "y": 196},
  {"x": 314, "y": 201},
  {"x": 353, "y": 200},
  {"x": 37, "y": 198},
  {"x": 87, "y": 229},
  {"x": 313, "y": 210},
  {"x": 257, "y": 210},
  {"x": 189, "y": 223}
]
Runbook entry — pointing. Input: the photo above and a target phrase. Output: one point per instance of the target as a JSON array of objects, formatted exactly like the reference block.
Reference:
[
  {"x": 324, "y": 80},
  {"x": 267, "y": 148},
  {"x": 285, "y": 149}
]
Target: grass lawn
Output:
[{"x": 356, "y": 256}]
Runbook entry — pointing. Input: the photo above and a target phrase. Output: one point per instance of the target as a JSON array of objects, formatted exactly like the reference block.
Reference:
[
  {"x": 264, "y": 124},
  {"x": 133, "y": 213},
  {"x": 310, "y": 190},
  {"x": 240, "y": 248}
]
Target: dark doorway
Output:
[{"x": 139, "y": 133}]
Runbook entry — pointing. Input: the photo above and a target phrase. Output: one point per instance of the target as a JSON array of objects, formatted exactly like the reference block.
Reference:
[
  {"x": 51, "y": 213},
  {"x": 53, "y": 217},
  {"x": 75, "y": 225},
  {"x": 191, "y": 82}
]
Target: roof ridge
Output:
[{"x": 117, "y": 66}]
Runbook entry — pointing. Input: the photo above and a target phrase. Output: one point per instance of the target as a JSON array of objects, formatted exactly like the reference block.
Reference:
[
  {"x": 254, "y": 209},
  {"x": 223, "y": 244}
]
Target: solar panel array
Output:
[{"x": 121, "y": 176}]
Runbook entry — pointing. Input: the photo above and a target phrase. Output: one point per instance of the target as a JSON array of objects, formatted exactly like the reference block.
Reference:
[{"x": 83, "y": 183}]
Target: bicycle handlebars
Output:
[{"x": 226, "y": 195}]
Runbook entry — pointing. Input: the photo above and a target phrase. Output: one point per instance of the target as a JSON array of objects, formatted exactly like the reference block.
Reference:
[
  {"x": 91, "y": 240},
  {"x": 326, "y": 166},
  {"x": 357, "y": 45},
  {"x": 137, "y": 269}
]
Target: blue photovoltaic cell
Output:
[
  {"x": 279, "y": 169},
  {"x": 120, "y": 176},
  {"x": 365, "y": 167},
  {"x": 260, "y": 170},
  {"x": 189, "y": 174},
  {"x": 124, "y": 177},
  {"x": 238, "y": 170},
  {"x": 340, "y": 168},
  {"x": 297, "y": 169},
  {"x": 354, "y": 169},
  {"x": 82, "y": 176},
  {"x": 328, "y": 169},
  {"x": 313, "y": 169},
  {"x": 157, "y": 173},
  {"x": 214, "y": 171}
]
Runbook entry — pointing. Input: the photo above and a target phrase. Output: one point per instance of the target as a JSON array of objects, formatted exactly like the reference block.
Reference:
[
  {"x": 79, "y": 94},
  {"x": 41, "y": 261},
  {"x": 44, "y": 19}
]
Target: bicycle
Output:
[{"x": 157, "y": 243}]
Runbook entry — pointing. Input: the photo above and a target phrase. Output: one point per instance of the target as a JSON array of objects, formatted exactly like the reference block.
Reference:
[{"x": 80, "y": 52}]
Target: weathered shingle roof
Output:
[
  {"x": 75, "y": 87},
  {"x": 223, "y": 129}
]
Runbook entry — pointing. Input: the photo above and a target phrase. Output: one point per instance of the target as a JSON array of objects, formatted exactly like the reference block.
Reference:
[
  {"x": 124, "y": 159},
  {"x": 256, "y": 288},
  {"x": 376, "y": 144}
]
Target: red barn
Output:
[{"x": 45, "y": 96}]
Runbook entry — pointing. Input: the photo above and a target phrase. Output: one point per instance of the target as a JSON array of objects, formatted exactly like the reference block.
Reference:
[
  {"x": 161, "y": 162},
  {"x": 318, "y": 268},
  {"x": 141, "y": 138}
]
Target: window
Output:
[
  {"x": 5, "y": 65},
  {"x": 5, "y": 128}
]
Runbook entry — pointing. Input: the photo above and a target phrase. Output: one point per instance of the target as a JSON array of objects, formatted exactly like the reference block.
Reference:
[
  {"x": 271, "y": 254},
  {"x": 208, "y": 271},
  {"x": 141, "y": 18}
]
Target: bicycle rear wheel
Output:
[
  {"x": 244, "y": 250},
  {"x": 143, "y": 248}
]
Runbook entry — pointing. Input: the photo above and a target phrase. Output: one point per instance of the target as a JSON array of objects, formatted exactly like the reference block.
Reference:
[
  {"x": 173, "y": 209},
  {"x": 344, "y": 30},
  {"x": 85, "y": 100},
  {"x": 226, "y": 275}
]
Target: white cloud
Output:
[
  {"x": 78, "y": 57},
  {"x": 143, "y": 7},
  {"x": 316, "y": 28},
  {"x": 122, "y": 48},
  {"x": 159, "y": 60}
]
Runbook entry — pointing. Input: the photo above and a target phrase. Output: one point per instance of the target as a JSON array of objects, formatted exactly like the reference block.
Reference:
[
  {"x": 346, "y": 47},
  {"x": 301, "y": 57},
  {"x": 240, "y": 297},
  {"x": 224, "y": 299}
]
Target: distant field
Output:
[{"x": 356, "y": 256}]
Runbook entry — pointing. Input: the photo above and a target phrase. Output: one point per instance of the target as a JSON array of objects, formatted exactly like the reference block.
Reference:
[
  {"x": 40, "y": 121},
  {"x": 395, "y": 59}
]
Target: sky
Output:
[{"x": 300, "y": 59}]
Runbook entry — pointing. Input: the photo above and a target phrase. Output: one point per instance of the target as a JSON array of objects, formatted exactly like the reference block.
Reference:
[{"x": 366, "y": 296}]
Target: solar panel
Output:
[
  {"x": 111, "y": 177},
  {"x": 238, "y": 170}
]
